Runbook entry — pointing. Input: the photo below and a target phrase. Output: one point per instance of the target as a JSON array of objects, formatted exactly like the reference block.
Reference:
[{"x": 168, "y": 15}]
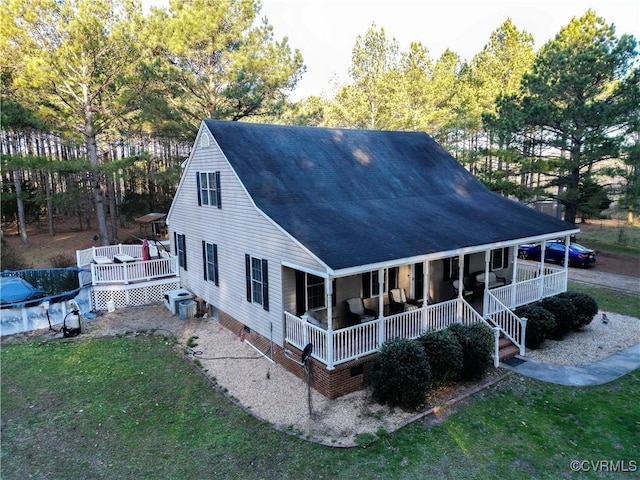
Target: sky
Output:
[{"x": 325, "y": 31}]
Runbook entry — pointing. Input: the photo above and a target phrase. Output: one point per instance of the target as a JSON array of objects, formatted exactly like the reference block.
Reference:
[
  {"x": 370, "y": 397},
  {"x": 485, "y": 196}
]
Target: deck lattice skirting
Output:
[{"x": 132, "y": 294}]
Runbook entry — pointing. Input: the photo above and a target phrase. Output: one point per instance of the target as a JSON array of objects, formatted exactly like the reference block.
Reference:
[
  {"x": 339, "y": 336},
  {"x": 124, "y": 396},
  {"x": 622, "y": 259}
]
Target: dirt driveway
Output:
[{"x": 620, "y": 272}]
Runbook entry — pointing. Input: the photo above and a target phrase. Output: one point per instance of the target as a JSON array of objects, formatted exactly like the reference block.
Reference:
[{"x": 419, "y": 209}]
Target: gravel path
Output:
[{"x": 596, "y": 341}]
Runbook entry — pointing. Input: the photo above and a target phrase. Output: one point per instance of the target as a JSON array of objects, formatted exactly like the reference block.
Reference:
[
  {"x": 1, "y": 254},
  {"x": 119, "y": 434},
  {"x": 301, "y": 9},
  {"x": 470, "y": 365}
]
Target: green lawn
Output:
[
  {"x": 131, "y": 408},
  {"x": 610, "y": 237},
  {"x": 610, "y": 300}
]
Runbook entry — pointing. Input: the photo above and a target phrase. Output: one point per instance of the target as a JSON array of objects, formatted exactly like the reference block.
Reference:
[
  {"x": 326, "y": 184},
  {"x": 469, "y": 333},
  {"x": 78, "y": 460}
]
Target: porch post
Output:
[
  {"x": 460, "y": 288},
  {"x": 496, "y": 347},
  {"x": 523, "y": 335},
  {"x": 425, "y": 293},
  {"x": 460, "y": 275},
  {"x": 485, "y": 295},
  {"x": 543, "y": 251},
  {"x": 514, "y": 275},
  {"x": 328, "y": 290},
  {"x": 381, "y": 292},
  {"x": 567, "y": 242},
  {"x": 382, "y": 335}
]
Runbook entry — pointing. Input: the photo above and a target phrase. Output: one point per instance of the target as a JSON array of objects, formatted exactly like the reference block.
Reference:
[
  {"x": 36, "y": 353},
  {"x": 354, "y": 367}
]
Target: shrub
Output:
[
  {"x": 586, "y": 308},
  {"x": 62, "y": 260},
  {"x": 445, "y": 355},
  {"x": 540, "y": 324},
  {"x": 400, "y": 374},
  {"x": 10, "y": 259},
  {"x": 476, "y": 341},
  {"x": 563, "y": 311}
]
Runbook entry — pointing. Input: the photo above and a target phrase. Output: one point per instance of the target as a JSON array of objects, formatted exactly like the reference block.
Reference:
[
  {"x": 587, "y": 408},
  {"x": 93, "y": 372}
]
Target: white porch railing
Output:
[
  {"x": 364, "y": 339},
  {"x": 511, "y": 326},
  {"x": 530, "y": 287},
  {"x": 130, "y": 272}
]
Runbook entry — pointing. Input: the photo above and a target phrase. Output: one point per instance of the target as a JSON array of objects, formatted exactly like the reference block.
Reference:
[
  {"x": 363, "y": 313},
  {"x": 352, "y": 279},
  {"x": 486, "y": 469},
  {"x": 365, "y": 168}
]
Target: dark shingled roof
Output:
[{"x": 358, "y": 197}]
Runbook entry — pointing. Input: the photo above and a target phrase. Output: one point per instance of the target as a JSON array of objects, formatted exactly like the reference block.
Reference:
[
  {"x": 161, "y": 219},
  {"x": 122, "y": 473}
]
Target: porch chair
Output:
[
  {"x": 399, "y": 303},
  {"x": 491, "y": 281},
  {"x": 466, "y": 288},
  {"x": 356, "y": 313}
]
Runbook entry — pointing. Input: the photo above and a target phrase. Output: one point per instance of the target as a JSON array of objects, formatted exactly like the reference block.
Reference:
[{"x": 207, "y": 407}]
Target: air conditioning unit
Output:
[{"x": 172, "y": 299}]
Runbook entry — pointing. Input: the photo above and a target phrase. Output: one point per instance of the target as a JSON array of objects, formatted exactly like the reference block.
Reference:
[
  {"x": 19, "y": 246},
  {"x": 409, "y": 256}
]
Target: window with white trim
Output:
[
  {"x": 180, "y": 242},
  {"x": 371, "y": 285},
  {"x": 208, "y": 184},
  {"x": 315, "y": 292},
  {"x": 257, "y": 274},
  {"x": 210, "y": 260},
  {"x": 499, "y": 258}
]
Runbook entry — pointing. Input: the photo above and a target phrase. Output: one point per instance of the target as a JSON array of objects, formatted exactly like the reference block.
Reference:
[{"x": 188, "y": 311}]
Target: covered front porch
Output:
[{"x": 316, "y": 310}]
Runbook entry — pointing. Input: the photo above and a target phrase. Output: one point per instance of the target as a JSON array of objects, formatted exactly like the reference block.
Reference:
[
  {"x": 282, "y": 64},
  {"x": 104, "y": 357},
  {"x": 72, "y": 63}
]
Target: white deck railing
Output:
[
  {"x": 125, "y": 273},
  {"x": 360, "y": 340},
  {"x": 130, "y": 272}
]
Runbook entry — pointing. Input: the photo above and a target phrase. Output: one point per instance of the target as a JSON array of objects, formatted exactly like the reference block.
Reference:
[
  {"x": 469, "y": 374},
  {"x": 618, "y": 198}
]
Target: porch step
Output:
[{"x": 507, "y": 349}]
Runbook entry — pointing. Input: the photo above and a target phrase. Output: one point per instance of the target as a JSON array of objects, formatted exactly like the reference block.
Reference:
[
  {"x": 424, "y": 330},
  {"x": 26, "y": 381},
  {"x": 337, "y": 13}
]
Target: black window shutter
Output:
[
  {"x": 366, "y": 285},
  {"x": 175, "y": 243},
  {"x": 247, "y": 263},
  {"x": 204, "y": 260},
  {"x": 301, "y": 304},
  {"x": 465, "y": 268},
  {"x": 265, "y": 285},
  {"x": 215, "y": 264},
  {"x": 333, "y": 294},
  {"x": 218, "y": 195},
  {"x": 184, "y": 250},
  {"x": 505, "y": 258},
  {"x": 393, "y": 277},
  {"x": 198, "y": 188}
]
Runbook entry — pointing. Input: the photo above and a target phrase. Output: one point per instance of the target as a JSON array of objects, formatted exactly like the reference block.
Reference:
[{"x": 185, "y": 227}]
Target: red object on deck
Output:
[{"x": 145, "y": 250}]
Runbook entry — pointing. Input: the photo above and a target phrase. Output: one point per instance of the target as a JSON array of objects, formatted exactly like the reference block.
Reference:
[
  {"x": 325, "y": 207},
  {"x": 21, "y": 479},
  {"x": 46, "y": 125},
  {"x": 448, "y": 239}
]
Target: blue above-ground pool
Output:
[{"x": 33, "y": 300}]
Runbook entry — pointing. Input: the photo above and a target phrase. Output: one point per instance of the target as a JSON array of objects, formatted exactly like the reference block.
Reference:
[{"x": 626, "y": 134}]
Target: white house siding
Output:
[{"x": 237, "y": 228}]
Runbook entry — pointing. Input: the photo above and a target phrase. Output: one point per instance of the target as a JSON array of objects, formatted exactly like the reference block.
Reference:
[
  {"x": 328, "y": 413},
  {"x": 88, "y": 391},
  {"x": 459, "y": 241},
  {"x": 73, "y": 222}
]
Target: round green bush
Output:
[
  {"x": 445, "y": 356},
  {"x": 476, "y": 341},
  {"x": 586, "y": 308},
  {"x": 540, "y": 324},
  {"x": 400, "y": 374},
  {"x": 563, "y": 311}
]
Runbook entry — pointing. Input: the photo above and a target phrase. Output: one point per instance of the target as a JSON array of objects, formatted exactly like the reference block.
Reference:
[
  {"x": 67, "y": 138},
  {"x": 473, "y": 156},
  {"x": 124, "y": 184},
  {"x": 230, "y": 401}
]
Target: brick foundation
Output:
[{"x": 345, "y": 378}]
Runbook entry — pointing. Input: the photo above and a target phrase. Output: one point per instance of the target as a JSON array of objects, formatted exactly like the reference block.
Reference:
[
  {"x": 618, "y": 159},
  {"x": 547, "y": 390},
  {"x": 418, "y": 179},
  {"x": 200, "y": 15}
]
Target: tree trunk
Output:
[
  {"x": 98, "y": 194},
  {"x": 17, "y": 176},
  {"x": 48, "y": 189},
  {"x": 112, "y": 207},
  {"x": 572, "y": 196}
]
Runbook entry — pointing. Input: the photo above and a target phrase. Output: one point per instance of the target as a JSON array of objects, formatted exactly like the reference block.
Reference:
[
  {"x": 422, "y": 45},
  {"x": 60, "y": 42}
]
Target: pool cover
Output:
[{"x": 14, "y": 289}]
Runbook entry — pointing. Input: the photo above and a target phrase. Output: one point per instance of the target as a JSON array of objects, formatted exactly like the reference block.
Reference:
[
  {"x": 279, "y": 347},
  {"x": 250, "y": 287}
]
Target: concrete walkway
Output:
[{"x": 602, "y": 371}]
